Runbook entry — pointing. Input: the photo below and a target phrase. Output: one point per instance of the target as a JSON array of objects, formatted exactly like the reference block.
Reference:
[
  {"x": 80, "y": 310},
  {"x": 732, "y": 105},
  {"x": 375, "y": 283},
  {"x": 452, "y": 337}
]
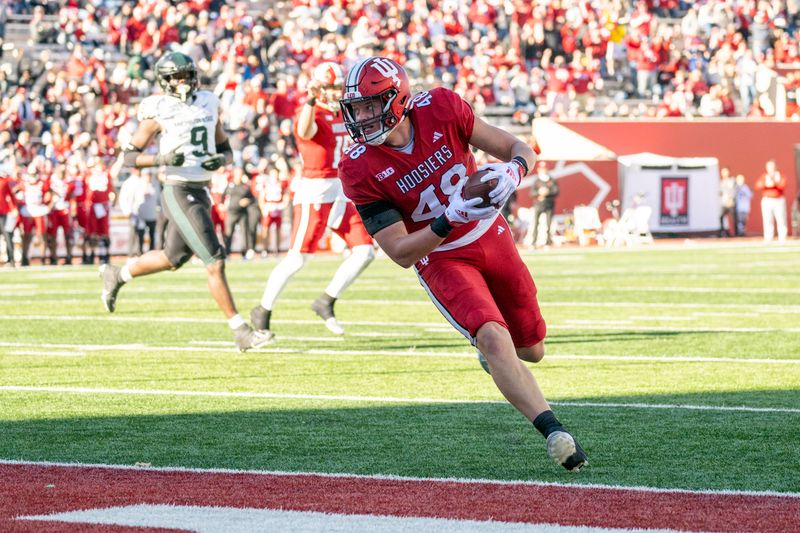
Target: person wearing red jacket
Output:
[
  {"x": 8, "y": 210},
  {"x": 772, "y": 185}
]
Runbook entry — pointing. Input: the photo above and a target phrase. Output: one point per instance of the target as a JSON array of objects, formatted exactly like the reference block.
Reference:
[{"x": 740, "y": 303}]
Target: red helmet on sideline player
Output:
[
  {"x": 383, "y": 83},
  {"x": 329, "y": 78}
]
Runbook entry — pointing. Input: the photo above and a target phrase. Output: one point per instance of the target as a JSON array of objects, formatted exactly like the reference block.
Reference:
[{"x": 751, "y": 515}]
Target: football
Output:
[{"x": 473, "y": 188}]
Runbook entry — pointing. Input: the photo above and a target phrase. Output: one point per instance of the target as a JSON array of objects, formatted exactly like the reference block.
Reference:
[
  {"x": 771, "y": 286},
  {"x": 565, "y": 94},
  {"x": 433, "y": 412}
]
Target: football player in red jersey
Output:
[
  {"x": 60, "y": 193},
  {"x": 100, "y": 196},
  {"x": 406, "y": 176},
  {"x": 319, "y": 202},
  {"x": 35, "y": 190}
]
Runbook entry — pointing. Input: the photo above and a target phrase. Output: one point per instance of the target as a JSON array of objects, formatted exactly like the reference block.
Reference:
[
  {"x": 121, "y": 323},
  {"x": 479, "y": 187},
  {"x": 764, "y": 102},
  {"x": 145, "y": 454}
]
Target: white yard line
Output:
[
  {"x": 391, "y": 477},
  {"x": 211, "y": 346},
  {"x": 687, "y": 329},
  {"x": 665, "y": 318},
  {"x": 749, "y": 312},
  {"x": 384, "y": 399},
  {"x": 174, "y": 319},
  {"x": 47, "y": 353},
  {"x": 293, "y": 339},
  {"x": 596, "y": 322}
]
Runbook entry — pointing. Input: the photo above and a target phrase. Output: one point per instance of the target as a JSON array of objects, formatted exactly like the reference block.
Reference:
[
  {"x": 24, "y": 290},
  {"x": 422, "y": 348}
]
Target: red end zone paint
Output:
[{"x": 24, "y": 491}]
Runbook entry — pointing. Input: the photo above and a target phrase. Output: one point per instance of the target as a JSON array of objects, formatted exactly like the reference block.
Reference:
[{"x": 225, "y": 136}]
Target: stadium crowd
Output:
[{"x": 67, "y": 96}]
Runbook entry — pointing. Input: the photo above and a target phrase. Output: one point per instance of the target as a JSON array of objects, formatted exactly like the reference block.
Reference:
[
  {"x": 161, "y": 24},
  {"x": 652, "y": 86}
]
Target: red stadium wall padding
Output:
[
  {"x": 744, "y": 146},
  {"x": 577, "y": 188}
]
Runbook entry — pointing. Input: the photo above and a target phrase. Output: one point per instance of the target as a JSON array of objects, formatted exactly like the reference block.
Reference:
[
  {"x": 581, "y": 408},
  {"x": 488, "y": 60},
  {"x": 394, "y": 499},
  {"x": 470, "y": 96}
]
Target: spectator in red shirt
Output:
[
  {"x": 283, "y": 102},
  {"x": 772, "y": 185},
  {"x": 8, "y": 213}
]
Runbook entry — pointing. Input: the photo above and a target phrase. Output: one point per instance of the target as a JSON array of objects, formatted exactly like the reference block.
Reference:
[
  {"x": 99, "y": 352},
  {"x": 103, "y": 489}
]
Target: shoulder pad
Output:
[{"x": 148, "y": 108}]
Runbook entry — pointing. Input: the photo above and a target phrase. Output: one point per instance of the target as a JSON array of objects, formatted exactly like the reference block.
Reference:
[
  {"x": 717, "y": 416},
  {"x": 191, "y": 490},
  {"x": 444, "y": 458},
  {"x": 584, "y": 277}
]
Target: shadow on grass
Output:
[
  {"x": 627, "y": 446},
  {"x": 558, "y": 337}
]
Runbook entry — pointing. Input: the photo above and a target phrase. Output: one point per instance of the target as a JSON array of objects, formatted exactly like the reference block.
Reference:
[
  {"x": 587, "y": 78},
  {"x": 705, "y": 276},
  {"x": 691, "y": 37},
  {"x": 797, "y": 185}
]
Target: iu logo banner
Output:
[{"x": 674, "y": 201}]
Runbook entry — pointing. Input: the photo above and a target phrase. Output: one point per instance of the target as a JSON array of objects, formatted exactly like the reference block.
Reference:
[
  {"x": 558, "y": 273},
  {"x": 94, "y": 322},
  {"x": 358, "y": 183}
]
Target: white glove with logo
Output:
[
  {"x": 508, "y": 176},
  {"x": 461, "y": 211}
]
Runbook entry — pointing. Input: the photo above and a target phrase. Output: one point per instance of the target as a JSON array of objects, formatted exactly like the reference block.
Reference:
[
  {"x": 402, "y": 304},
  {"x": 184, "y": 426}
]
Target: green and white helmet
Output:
[{"x": 177, "y": 75}]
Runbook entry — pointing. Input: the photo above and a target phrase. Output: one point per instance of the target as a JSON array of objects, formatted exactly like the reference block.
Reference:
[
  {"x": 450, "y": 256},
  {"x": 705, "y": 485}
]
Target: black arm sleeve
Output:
[
  {"x": 378, "y": 215},
  {"x": 224, "y": 147},
  {"x": 131, "y": 152}
]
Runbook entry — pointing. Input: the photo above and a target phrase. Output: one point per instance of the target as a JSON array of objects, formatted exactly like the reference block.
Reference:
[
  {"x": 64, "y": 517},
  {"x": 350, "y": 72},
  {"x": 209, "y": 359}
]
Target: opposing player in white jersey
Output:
[
  {"x": 319, "y": 201},
  {"x": 192, "y": 144}
]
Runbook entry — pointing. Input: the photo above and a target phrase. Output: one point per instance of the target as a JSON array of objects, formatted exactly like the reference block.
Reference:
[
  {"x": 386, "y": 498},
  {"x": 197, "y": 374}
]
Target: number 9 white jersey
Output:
[{"x": 188, "y": 126}]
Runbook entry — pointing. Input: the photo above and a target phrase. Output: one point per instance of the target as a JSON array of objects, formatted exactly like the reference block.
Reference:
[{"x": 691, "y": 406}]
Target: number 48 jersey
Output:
[
  {"x": 188, "y": 126},
  {"x": 419, "y": 184}
]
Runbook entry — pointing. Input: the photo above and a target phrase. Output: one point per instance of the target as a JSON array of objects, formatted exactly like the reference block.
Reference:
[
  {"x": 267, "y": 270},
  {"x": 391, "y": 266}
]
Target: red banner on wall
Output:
[{"x": 674, "y": 201}]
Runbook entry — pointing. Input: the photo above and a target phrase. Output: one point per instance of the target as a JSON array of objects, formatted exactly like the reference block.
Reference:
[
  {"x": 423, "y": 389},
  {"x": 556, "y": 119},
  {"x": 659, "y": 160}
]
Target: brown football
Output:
[{"x": 473, "y": 188}]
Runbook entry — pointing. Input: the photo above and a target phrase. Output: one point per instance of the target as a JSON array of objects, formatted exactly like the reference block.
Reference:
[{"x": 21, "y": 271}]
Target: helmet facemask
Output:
[
  {"x": 181, "y": 84},
  {"x": 369, "y": 119}
]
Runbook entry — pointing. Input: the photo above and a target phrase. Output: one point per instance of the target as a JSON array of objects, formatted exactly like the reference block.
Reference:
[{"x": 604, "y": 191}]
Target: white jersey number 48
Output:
[{"x": 429, "y": 206}]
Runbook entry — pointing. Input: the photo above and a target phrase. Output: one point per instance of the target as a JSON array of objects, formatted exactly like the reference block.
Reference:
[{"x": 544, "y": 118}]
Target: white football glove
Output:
[
  {"x": 460, "y": 211},
  {"x": 508, "y": 176}
]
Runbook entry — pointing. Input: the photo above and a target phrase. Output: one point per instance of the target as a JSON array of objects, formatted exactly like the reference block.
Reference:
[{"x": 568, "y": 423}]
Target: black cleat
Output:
[
  {"x": 565, "y": 451},
  {"x": 323, "y": 307},
  {"x": 260, "y": 318},
  {"x": 111, "y": 285}
]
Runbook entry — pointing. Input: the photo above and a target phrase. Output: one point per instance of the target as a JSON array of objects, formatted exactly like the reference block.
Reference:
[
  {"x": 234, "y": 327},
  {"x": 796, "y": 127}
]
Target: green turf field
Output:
[{"x": 673, "y": 366}]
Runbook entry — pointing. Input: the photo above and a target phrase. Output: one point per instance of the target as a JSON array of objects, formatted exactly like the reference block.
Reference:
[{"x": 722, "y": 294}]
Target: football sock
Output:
[
  {"x": 236, "y": 321},
  {"x": 350, "y": 269},
  {"x": 125, "y": 274},
  {"x": 326, "y": 309},
  {"x": 546, "y": 423},
  {"x": 280, "y": 276}
]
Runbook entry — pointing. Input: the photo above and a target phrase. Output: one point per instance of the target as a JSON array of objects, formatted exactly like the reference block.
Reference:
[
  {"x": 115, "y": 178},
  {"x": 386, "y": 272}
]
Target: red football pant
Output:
[
  {"x": 29, "y": 224},
  {"x": 98, "y": 226},
  {"x": 59, "y": 219},
  {"x": 310, "y": 221},
  {"x": 485, "y": 281},
  {"x": 269, "y": 220},
  {"x": 81, "y": 216}
]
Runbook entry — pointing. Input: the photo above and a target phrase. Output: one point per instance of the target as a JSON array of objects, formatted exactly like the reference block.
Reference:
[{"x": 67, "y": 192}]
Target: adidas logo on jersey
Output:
[
  {"x": 437, "y": 136},
  {"x": 500, "y": 230}
]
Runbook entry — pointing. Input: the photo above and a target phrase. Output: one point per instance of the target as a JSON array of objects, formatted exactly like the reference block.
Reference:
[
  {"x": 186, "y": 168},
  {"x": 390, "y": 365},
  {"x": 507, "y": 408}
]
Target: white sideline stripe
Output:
[
  {"x": 665, "y": 318},
  {"x": 174, "y": 319},
  {"x": 387, "y": 399},
  {"x": 293, "y": 339},
  {"x": 47, "y": 353},
  {"x": 580, "y": 321},
  {"x": 668, "y": 288},
  {"x": 763, "y": 308},
  {"x": 406, "y": 353},
  {"x": 673, "y": 328},
  {"x": 699, "y": 313},
  {"x": 391, "y": 477},
  {"x": 206, "y": 519}
]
